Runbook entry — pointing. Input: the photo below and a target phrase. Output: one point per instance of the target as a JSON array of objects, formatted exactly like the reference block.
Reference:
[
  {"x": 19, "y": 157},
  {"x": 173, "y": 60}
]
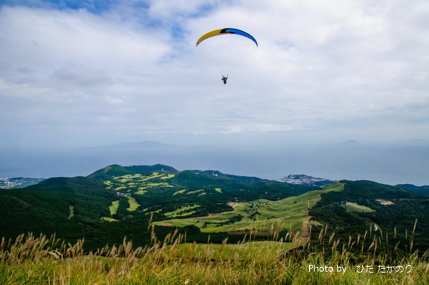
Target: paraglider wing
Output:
[{"x": 226, "y": 31}]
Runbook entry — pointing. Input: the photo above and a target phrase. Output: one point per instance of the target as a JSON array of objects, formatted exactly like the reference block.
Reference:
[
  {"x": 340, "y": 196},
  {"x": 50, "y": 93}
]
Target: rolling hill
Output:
[{"x": 118, "y": 201}]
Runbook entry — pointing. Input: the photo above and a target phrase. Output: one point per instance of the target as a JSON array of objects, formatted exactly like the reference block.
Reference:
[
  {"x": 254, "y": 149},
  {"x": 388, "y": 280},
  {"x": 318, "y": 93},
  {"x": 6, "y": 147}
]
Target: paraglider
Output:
[
  {"x": 226, "y": 31},
  {"x": 226, "y": 50}
]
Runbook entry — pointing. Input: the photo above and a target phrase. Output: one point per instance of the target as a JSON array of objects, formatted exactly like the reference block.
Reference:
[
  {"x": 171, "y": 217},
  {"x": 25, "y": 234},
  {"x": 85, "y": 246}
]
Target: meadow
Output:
[
  {"x": 137, "y": 183},
  {"x": 279, "y": 246},
  {"x": 258, "y": 216},
  {"x": 280, "y": 260}
]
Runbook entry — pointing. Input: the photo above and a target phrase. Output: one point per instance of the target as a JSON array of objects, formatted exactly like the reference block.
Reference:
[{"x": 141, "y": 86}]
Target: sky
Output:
[{"x": 82, "y": 74}]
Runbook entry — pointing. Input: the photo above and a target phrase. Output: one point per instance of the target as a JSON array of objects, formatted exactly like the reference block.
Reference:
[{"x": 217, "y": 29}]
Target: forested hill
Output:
[
  {"x": 117, "y": 201},
  {"x": 369, "y": 206},
  {"x": 117, "y": 170},
  {"x": 77, "y": 183},
  {"x": 222, "y": 175},
  {"x": 423, "y": 190}
]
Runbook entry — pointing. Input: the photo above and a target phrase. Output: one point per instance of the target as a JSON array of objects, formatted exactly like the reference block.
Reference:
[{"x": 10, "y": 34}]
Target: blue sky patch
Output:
[{"x": 93, "y": 6}]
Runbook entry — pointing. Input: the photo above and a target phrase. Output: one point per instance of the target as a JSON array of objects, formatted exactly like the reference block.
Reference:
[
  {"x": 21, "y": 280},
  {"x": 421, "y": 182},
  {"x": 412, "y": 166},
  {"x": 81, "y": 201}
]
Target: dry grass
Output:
[{"x": 41, "y": 260}]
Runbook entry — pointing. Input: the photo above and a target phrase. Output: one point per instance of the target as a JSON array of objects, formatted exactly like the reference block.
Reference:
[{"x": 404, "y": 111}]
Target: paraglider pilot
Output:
[{"x": 224, "y": 79}]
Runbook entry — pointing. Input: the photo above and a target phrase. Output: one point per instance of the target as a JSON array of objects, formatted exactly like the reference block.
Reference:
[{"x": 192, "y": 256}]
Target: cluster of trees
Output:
[
  {"x": 46, "y": 207},
  {"x": 162, "y": 198},
  {"x": 396, "y": 220}
]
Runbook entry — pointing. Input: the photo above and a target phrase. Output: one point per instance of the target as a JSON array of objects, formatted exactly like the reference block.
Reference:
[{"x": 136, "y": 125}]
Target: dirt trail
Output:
[
  {"x": 305, "y": 229},
  {"x": 250, "y": 232},
  {"x": 163, "y": 224}
]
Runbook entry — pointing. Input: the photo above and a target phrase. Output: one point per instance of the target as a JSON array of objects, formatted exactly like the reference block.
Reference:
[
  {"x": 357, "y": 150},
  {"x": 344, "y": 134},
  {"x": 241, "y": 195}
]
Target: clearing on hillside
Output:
[
  {"x": 259, "y": 215},
  {"x": 184, "y": 211},
  {"x": 133, "y": 204},
  {"x": 353, "y": 207},
  {"x": 114, "y": 207},
  {"x": 385, "y": 202}
]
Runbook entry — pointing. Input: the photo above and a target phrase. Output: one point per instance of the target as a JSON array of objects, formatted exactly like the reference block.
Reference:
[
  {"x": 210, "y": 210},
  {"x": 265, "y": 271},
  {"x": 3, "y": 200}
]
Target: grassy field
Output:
[
  {"x": 179, "y": 192},
  {"x": 196, "y": 191},
  {"x": 186, "y": 211},
  {"x": 109, "y": 219},
  {"x": 71, "y": 211},
  {"x": 168, "y": 176},
  {"x": 260, "y": 215},
  {"x": 152, "y": 185},
  {"x": 41, "y": 260},
  {"x": 141, "y": 191},
  {"x": 114, "y": 207},
  {"x": 353, "y": 207},
  {"x": 133, "y": 204},
  {"x": 137, "y": 183}
]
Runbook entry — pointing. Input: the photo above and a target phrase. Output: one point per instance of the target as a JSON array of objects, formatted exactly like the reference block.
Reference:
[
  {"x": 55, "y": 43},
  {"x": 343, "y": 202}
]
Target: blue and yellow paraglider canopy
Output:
[{"x": 226, "y": 31}]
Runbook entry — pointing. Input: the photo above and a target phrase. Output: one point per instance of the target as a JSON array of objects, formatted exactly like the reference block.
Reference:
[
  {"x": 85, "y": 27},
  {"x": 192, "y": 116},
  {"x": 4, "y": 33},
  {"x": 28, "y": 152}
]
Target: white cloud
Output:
[
  {"x": 80, "y": 76},
  {"x": 50, "y": 38},
  {"x": 342, "y": 66},
  {"x": 112, "y": 100}
]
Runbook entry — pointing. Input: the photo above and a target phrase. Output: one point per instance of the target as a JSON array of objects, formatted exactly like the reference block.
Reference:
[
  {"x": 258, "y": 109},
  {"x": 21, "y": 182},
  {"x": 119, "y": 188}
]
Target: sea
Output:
[{"x": 388, "y": 164}]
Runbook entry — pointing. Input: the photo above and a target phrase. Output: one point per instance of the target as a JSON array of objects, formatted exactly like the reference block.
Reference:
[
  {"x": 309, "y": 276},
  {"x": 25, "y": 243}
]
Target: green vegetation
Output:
[
  {"x": 137, "y": 183},
  {"x": 353, "y": 207},
  {"x": 114, "y": 207},
  {"x": 133, "y": 204},
  {"x": 109, "y": 219},
  {"x": 260, "y": 215},
  {"x": 223, "y": 209},
  {"x": 184, "y": 211},
  {"x": 283, "y": 260},
  {"x": 46, "y": 207},
  {"x": 141, "y": 191},
  {"x": 163, "y": 198},
  {"x": 71, "y": 212},
  {"x": 152, "y": 185},
  {"x": 196, "y": 191},
  {"x": 168, "y": 176},
  {"x": 397, "y": 214}
]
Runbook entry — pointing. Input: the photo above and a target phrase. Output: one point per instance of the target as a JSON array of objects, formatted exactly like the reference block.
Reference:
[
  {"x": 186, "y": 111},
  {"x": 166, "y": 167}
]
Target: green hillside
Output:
[
  {"x": 161, "y": 192},
  {"x": 270, "y": 253},
  {"x": 259, "y": 215},
  {"x": 117, "y": 201},
  {"x": 369, "y": 206}
]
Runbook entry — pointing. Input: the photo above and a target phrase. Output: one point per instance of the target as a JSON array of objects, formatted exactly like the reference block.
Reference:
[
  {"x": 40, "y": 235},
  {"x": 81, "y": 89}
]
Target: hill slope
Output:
[
  {"x": 366, "y": 205},
  {"x": 118, "y": 201}
]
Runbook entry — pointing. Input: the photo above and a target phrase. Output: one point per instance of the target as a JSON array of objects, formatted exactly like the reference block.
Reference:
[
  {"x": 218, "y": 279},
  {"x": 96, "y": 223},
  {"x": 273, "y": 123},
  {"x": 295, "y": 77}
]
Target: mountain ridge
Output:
[
  {"x": 115, "y": 169},
  {"x": 118, "y": 201}
]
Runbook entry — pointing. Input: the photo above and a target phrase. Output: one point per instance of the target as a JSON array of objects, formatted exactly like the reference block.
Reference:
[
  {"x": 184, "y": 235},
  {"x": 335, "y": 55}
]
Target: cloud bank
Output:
[{"x": 89, "y": 74}]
